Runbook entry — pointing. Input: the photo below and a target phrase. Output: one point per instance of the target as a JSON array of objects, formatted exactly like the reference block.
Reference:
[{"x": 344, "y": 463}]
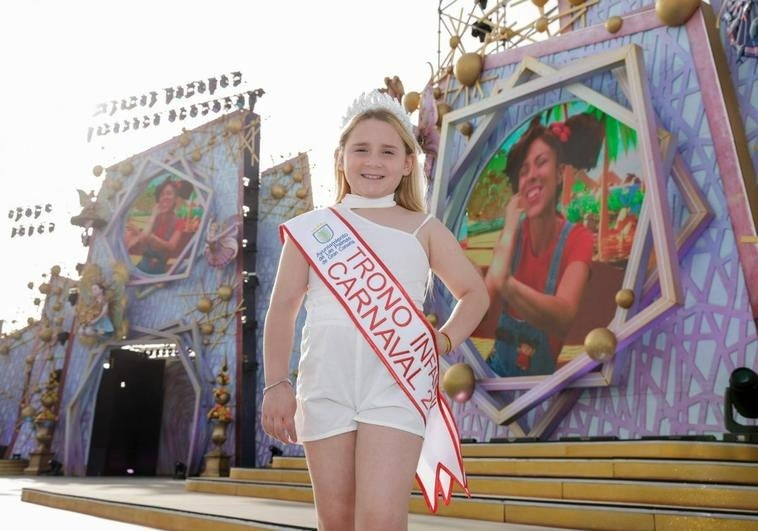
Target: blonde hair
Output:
[{"x": 410, "y": 191}]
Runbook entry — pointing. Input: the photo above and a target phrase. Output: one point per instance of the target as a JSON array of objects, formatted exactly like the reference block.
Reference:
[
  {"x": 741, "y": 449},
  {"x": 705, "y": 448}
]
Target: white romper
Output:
[{"x": 341, "y": 381}]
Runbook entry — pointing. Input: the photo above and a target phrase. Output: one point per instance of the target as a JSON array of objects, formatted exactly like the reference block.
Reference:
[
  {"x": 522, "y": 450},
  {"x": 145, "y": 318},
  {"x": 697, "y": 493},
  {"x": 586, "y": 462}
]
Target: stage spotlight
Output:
[
  {"x": 180, "y": 470},
  {"x": 481, "y": 28},
  {"x": 56, "y": 468},
  {"x": 742, "y": 395},
  {"x": 63, "y": 337}
]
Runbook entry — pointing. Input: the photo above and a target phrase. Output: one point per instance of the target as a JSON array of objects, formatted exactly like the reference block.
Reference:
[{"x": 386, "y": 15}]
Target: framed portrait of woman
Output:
[
  {"x": 160, "y": 223},
  {"x": 574, "y": 174},
  {"x": 559, "y": 198}
]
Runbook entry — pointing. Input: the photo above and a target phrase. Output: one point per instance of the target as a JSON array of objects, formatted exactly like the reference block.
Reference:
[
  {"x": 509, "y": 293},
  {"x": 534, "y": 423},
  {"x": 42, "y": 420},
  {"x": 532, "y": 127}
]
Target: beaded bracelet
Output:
[
  {"x": 449, "y": 343},
  {"x": 269, "y": 387}
]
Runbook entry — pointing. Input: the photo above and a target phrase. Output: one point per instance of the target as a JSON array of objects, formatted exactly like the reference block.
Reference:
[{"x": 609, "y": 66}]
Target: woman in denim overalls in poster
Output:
[{"x": 541, "y": 262}]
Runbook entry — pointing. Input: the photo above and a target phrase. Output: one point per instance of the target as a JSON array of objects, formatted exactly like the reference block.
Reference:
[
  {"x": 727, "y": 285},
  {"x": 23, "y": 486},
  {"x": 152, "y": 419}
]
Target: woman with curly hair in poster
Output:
[{"x": 541, "y": 262}]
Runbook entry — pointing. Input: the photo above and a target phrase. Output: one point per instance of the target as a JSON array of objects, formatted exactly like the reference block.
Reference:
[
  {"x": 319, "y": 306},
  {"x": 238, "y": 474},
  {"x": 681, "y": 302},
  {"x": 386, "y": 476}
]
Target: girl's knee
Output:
[
  {"x": 336, "y": 517},
  {"x": 381, "y": 518}
]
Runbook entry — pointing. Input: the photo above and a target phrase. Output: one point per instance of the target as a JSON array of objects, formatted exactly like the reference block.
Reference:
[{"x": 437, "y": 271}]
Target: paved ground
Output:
[
  {"x": 20, "y": 515},
  {"x": 171, "y": 494}
]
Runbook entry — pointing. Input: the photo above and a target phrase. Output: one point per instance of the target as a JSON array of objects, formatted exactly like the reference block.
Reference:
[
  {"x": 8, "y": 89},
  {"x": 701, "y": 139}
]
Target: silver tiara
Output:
[{"x": 378, "y": 100}]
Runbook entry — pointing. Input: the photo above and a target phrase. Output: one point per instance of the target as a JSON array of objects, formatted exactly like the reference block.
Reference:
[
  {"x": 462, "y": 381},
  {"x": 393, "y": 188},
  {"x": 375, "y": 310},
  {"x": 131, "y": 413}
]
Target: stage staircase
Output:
[
  {"x": 13, "y": 467},
  {"x": 619, "y": 485}
]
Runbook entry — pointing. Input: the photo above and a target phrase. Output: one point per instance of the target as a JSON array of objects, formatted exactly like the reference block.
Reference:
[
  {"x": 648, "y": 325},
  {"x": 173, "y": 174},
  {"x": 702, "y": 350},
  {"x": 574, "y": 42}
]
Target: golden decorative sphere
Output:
[
  {"x": 539, "y": 3},
  {"x": 114, "y": 185},
  {"x": 455, "y": 40},
  {"x": 204, "y": 305},
  {"x": 675, "y": 12},
  {"x": 442, "y": 109},
  {"x": 46, "y": 334},
  {"x": 207, "y": 328},
  {"x": 297, "y": 176},
  {"x": 126, "y": 168},
  {"x": 184, "y": 140},
  {"x": 5, "y": 350},
  {"x": 224, "y": 292},
  {"x": 302, "y": 192},
  {"x": 278, "y": 191},
  {"x": 47, "y": 400},
  {"x": 600, "y": 344},
  {"x": 576, "y": 3},
  {"x": 55, "y": 270},
  {"x": 469, "y": 68},
  {"x": 57, "y": 307},
  {"x": 411, "y": 101},
  {"x": 459, "y": 381},
  {"x": 36, "y": 301},
  {"x": 196, "y": 155},
  {"x": 436, "y": 92},
  {"x": 466, "y": 128},
  {"x": 58, "y": 320},
  {"x": 614, "y": 23},
  {"x": 432, "y": 318},
  {"x": 97, "y": 171},
  {"x": 541, "y": 24},
  {"x": 221, "y": 397},
  {"x": 30, "y": 285},
  {"x": 44, "y": 288},
  {"x": 234, "y": 125},
  {"x": 287, "y": 168},
  {"x": 28, "y": 411},
  {"x": 625, "y": 298}
]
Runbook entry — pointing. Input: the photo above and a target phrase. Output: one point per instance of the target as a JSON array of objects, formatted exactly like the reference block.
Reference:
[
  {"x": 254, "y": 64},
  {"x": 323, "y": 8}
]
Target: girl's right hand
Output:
[{"x": 278, "y": 413}]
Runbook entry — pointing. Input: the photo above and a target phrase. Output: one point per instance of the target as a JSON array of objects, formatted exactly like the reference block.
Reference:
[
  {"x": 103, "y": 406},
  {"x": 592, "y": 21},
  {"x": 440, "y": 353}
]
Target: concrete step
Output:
[
  {"x": 726, "y": 472},
  {"x": 558, "y": 512}
]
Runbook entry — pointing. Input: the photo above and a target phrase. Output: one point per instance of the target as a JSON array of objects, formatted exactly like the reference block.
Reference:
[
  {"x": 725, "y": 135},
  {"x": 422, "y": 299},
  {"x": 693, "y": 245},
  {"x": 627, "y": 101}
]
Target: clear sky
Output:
[{"x": 60, "y": 59}]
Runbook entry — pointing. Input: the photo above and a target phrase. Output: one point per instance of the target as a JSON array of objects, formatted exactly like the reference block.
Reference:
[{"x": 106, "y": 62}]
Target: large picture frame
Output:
[
  {"x": 531, "y": 79},
  {"x": 191, "y": 214}
]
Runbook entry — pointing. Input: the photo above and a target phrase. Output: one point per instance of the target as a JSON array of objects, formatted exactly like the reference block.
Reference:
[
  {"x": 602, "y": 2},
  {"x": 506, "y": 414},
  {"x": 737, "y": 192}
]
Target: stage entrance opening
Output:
[{"x": 127, "y": 424}]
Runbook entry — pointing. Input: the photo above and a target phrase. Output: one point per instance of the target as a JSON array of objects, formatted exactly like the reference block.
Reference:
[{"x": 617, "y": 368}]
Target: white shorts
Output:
[{"x": 341, "y": 382}]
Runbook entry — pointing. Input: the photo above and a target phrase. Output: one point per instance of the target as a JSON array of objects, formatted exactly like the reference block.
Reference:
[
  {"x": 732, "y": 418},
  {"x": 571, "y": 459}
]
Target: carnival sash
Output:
[{"x": 395, "y": 329}]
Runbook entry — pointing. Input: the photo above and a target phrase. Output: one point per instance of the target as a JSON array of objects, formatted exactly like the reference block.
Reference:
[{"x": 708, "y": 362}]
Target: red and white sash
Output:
[{"x": 395, "y": 329}]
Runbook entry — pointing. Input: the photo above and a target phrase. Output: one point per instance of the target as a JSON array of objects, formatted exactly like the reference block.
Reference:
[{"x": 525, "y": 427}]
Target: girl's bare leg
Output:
[
  {"x": 385, "y": 467},
  {"x": 331, "y": 463}
]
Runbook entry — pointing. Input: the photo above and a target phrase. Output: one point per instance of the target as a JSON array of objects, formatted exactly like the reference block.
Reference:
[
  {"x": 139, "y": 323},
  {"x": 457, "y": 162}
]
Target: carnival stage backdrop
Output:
[
  {"x": 285, "y": 192},
  {"x": 154, "y": 320},
  {"x": 665, "y": 200}
]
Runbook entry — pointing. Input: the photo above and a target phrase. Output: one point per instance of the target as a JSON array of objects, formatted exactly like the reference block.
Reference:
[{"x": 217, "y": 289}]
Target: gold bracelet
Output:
[
  {"x": 269, "y": 387},
  {"x": 449, "y": 343}
]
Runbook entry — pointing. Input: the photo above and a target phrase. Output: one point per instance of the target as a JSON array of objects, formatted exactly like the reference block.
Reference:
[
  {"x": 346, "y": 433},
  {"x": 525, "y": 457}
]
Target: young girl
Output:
[
  {"x": 367, "y": 395},
  {"x": 541, "y": 262}
]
